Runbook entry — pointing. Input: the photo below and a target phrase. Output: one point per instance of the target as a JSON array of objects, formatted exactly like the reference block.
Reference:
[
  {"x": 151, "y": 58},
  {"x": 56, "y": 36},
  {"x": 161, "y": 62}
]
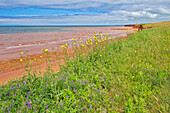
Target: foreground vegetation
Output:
[{"x": 129, "y": 75}]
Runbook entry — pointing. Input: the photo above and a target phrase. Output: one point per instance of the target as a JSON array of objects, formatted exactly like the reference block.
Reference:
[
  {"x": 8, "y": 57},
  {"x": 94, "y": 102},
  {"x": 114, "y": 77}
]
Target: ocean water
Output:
[
  {"x": 30, "y": 29},
  {"x": 12, "y": 30}
]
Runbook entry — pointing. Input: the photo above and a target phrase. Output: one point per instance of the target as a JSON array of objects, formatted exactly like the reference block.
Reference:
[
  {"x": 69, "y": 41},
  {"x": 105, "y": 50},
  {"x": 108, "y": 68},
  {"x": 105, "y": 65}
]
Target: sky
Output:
[{"x": 83, "y": 12}]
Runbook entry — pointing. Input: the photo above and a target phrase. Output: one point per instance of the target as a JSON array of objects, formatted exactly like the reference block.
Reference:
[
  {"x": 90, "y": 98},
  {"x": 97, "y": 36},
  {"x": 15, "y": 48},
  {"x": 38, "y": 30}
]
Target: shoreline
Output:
[{"x": 13, "y": 69}]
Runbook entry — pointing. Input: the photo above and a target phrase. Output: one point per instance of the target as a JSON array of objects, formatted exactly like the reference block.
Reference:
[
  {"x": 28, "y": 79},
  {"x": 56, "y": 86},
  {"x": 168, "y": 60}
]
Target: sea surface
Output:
[{"x": 32, "y": 29}]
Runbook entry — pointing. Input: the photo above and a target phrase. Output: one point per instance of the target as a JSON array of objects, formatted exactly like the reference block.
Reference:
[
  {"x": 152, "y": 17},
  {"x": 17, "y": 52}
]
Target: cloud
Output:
[{"x": 84, "y": 11}]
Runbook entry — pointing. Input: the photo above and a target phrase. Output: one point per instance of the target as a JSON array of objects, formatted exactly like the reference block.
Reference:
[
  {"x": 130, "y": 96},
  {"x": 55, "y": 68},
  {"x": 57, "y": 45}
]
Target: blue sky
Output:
[{"x": 83, "y": 12}]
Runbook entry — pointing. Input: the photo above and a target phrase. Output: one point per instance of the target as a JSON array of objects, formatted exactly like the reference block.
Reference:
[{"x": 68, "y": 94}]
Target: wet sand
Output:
[{"x": 12, "y": 44}]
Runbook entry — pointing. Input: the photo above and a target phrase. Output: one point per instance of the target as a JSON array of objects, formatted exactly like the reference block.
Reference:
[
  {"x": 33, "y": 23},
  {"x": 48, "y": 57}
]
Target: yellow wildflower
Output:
[
  {"x": 94, "y": 33},
  {"x": 106, "y": 32},
  {"x": 66, "y": 45},
  {"x": 135, "y": 51},
  {"x": 35, "y": 59},
  {"x": 46, "y": 50},
  {"x": 20, "y": 60},
  {"x": 91, "y": 43},
  {"x": 40, "y": 60},
  {"x": 90, "y": 39},
  {"x": 42, "y": 49},
  {"x": 21, "y": 53},
  {"x": 40, "y": 56},
  {"x": 100, "y": 55},
  {"x": 83, "y": 53},
  {"x": 72, "y": 38},
  {"x": 62, "y": 45},
  {"x": 74, "y": 42}
]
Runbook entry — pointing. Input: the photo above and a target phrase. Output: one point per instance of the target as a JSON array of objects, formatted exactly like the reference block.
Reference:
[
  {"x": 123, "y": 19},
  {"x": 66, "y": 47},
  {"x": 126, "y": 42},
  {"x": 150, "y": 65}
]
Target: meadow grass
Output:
[{"x": 130, "y": 75}]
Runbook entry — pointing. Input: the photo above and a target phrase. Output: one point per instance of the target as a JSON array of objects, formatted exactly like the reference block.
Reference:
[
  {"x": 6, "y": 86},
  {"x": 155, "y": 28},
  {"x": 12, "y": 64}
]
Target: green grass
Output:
[{"x": 129, "y": 75}]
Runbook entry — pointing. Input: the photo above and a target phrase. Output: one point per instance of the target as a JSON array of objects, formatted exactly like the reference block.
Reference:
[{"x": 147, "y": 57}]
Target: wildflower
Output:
[
  {"x": 40, "y": 60},
  {"x": 13, "y": 87},
  {"x": 20, "y": 60},
  {"x": 96, "y": 90},
  {"x": 67, "y": 96},
  {"x": 21, "y": 53},
  {"x": 62, "y": 75},
  {"x": 74, "y": 104},
  {"x": 42, "y": 49},
  {"x": 74, "y": 43},
  {"x": 72, "y": 38},
  {"x": 14, "y": 94},
  {"x": 135, "y": 51},
  {"x": 83, "y": 53},
  {"x": 94, "y": 33},
  {"x": 35, "y": 59},
  {"x": 46, "y": 106},
  {"x": 40, "y": 56},
  {"x": 46, "y": 50},
  {"x": 91, "y": 106},
  {"x": 100, "y": 55},
  {"x": 106, "y": 32}
]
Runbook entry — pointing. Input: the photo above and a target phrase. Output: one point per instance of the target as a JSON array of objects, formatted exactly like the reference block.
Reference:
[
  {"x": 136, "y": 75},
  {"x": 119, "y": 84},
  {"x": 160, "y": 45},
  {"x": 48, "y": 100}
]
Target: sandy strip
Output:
[{"x": 12, "y": 44}]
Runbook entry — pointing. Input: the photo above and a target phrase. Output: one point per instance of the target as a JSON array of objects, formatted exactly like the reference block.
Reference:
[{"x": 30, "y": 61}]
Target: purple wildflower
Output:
[
  {"x": 92, "y": 85},
  {"x": 46, "y": 106},
  {"x": 37, "y": 108},
  {"x": 61, "y": 104},
  {"x": 62, "y": 75},
  {"x": 24, "y": 82},
  {"x": 46, "y": 83},
  {"x": 96, "y": 90},
  {"x": 14, "y": 94},
  {"x": 56, "y": 104},
  {"x": 167, "y": 78},
  {"x": 91, "y": 106},
  {"x": 42, "y": 103},
  {"x": 74, "y": 104},
  {"x": 104, "y": 77},
  {"x": 13, "y": 87},
  {"x": 67, "y": 96},
  {"x": 8, "y": 109}
]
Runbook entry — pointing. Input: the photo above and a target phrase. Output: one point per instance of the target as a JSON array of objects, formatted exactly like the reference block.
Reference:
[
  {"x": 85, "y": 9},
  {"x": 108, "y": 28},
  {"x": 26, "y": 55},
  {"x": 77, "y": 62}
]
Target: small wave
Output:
[{"x": 19, "y": 46}]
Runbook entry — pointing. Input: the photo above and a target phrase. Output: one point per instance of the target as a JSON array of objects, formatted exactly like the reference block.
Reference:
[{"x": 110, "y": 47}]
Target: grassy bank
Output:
[{"x": 129, "y": 75}]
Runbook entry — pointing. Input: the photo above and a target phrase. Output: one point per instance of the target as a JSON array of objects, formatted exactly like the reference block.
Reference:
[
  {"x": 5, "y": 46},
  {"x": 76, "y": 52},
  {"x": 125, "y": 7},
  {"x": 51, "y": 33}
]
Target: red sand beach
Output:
[{"x": 12, "y": 44}]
